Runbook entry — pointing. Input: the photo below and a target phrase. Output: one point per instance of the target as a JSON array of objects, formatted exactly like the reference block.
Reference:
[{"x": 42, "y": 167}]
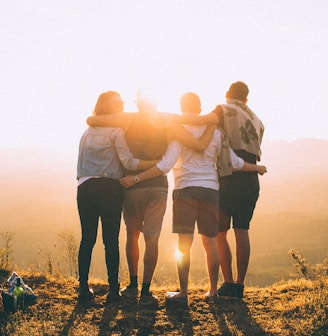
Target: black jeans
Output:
[{"x": 100, "y": 198}]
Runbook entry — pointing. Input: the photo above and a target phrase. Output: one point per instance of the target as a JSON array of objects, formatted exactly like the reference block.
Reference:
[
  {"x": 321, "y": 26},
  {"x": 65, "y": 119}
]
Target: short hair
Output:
[
  {"x": 238, "y": 90},
  {"x": 189, "y": 101},
  {"x": 102, "y": 99}
]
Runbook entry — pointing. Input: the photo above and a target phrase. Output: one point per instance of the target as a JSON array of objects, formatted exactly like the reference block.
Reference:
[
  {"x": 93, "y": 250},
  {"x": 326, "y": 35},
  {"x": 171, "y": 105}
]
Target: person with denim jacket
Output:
[{"x": 103, "y": 155}]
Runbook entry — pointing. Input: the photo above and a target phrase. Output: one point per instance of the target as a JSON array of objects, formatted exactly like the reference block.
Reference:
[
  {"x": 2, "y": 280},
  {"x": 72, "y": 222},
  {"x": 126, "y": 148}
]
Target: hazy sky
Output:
[{"x": 56, "y": 57}]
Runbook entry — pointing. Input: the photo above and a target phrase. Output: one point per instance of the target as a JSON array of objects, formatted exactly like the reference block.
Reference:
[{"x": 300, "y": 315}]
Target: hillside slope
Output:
[{"x": 295, "y": 308}]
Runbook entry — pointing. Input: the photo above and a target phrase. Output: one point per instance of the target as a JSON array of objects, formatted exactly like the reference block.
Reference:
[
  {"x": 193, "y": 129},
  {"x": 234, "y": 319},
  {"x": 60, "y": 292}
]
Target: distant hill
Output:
[
  {"x": 305, "y": 157},
  {"x": 38, "y": 199}
]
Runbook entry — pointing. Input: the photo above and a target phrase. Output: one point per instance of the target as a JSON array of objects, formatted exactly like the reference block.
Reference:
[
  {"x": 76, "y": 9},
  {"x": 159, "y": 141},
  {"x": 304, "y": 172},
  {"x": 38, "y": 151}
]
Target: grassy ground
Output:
[{"x": 298, "y": 307}]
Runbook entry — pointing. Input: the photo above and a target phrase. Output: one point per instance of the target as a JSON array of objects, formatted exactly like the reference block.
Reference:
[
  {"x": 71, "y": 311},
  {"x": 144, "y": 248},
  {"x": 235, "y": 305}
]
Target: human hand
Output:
[
  {"x": 127, "y": 181},
  {"x": 91, "y": 121},
  {"x": 261, "y": 169}
]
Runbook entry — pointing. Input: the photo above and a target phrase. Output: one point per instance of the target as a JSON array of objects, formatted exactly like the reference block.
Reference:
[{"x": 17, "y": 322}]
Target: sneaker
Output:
[
  {"x": 113, "y": 297},
  {"x": 227, "y": 291},
  {"x": 130, "y": 292},
  {"x": 211, "y": 298},
  {"x": 85, "y": 295},
  {"x": 174, "y": 297},
  {"x": 240, "y": 291},
  {"x": 148, "y": 299}
]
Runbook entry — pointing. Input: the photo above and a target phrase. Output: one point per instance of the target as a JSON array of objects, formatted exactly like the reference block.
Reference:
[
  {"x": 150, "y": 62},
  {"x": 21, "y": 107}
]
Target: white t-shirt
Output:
[{"x": 196, "y": 169}]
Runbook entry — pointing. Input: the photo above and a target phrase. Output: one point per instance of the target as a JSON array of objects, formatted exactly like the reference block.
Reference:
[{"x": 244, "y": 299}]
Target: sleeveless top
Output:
[{"x": 146, "y": 142}]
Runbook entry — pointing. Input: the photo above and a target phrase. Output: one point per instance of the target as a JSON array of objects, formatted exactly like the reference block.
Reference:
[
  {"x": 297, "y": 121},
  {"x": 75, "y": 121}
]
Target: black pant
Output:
[{"x": 100, "y": 198}]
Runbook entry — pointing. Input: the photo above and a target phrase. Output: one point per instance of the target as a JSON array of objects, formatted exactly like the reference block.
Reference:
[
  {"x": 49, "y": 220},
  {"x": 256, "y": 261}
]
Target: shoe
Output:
[
  {"x": 148, "y": 299},
  {"x": 240, "y": 291},
  {"x": 85, "y": 295},
  {"x": 211, "y": 298},
  {"x": 130, "y": 292},
  {"x": 173, "y": 297},
  {"x": 113, "y": 294},
  {"x": 228, "y": 291},
  {"x": 113, "y": 297}
]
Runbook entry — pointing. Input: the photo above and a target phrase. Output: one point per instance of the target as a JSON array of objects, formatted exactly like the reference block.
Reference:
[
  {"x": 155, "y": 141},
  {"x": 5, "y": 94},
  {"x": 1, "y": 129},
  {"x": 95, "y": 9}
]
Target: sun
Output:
[{"x": 178, "y": 255}]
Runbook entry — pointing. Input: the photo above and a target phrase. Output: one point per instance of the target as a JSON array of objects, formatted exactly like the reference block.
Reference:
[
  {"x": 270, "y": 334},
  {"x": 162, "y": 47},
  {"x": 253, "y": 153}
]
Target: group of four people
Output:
[{"x": 136, "y": 151}]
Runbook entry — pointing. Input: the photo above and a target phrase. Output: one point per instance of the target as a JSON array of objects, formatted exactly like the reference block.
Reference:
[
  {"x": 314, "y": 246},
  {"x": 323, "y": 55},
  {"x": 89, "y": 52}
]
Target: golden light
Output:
[{"x": 178, "y": 255}]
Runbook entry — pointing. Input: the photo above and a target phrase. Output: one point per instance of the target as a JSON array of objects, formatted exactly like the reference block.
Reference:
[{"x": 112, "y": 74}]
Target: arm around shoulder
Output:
[
  {"x": 197, "y": 120},
  {"x": 179, "y": 133},
  {"x": 109, "y": 120}
]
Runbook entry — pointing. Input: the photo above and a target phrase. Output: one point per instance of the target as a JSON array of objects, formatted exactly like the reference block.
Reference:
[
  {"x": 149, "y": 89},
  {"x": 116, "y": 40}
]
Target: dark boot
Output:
[
  {"x": 86, "y": 294},
  {"x": 114, "y": 294}
]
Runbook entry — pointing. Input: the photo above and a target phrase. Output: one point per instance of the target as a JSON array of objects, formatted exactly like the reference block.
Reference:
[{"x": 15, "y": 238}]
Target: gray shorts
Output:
[
  {"x": 144, "y": 209},
  {"x": 196, "y": 204}
]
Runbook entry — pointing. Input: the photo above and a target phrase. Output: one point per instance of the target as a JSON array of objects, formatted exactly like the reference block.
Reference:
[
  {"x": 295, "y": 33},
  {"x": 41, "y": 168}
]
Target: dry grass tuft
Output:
[{"x": 295, "y": 307}]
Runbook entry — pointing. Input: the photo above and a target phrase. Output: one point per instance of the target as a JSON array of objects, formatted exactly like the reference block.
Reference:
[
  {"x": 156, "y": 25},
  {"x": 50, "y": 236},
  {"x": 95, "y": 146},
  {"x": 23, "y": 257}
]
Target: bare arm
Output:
[
  {"x": 110, "y": 120},
  {"x": 254, "y": 167},
  {"x": 193, "y": 119},
  {"x": 145, "y": 164},
  {"x": 179, "y": 133},
  {"x": 164, "y": 166},
  {"x": 129, "y": 181},
  {"x": 238, "y": 163}
]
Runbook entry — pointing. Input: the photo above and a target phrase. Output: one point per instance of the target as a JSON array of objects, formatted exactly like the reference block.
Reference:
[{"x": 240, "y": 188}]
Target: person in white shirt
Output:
[{"x": 195, "y": 197}]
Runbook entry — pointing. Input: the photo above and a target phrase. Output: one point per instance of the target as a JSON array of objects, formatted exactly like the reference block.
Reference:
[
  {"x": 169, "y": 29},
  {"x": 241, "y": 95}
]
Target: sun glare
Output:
[{"x": 178, "y": 255}]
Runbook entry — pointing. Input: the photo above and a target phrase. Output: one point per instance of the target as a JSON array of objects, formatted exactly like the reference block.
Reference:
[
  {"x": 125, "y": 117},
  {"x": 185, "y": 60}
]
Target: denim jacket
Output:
[{"x": 103, "y": 152}]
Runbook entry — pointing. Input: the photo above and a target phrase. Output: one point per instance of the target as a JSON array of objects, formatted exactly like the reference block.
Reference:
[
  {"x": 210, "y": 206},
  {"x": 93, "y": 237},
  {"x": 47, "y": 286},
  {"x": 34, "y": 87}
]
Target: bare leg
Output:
[
  {"x": 132, "y": 251},
  {"x": 184, "y": 243},
  {"x": 212, "y": 256},
  {"x": 224, "y": 248},
  {"x": 150, "y": 258},
  {"x": 242, "y": 253},
  {"x": 225, "y": 256}
]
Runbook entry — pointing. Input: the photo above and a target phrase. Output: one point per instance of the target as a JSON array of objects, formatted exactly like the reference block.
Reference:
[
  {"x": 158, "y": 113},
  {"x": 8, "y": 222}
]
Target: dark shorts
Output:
[
  {"x": 238, "y": 196},
  {"x": 196, "y": 204}
]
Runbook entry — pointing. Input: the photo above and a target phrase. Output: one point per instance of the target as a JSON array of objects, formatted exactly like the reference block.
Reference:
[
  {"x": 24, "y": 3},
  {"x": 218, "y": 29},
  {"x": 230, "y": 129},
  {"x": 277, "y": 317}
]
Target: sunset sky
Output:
[{"x": 56, "y": 57}]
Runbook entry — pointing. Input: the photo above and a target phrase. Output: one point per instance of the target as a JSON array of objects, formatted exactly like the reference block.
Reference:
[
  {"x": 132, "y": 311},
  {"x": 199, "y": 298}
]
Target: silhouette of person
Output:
[{"x": 103, "y": 151}]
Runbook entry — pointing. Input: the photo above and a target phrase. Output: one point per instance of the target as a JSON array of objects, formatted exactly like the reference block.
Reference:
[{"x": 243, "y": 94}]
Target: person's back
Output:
[
  {"x": 196, "y": 202},
  {"x": 144, "y": 203},
  {"x": 98, "y": 155},
  {"x": 100, "y": 196},
  {"x": 239, "y": 192},
  {"x": 242, "y": 126},
  {"x": 145, "y": 141},
  {"x": 198, "y": 169}
]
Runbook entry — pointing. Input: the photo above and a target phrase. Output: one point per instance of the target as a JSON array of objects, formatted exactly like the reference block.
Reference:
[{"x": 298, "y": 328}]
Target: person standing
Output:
[
  {"x": 239, "y": 191},
  {"x": 103, "y": 152}
]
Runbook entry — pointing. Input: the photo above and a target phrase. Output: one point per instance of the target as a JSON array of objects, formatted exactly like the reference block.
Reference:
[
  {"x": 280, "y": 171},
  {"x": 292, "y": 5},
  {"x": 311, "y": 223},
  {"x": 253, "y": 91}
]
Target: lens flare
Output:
[{"x": 178, "y": 255}]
